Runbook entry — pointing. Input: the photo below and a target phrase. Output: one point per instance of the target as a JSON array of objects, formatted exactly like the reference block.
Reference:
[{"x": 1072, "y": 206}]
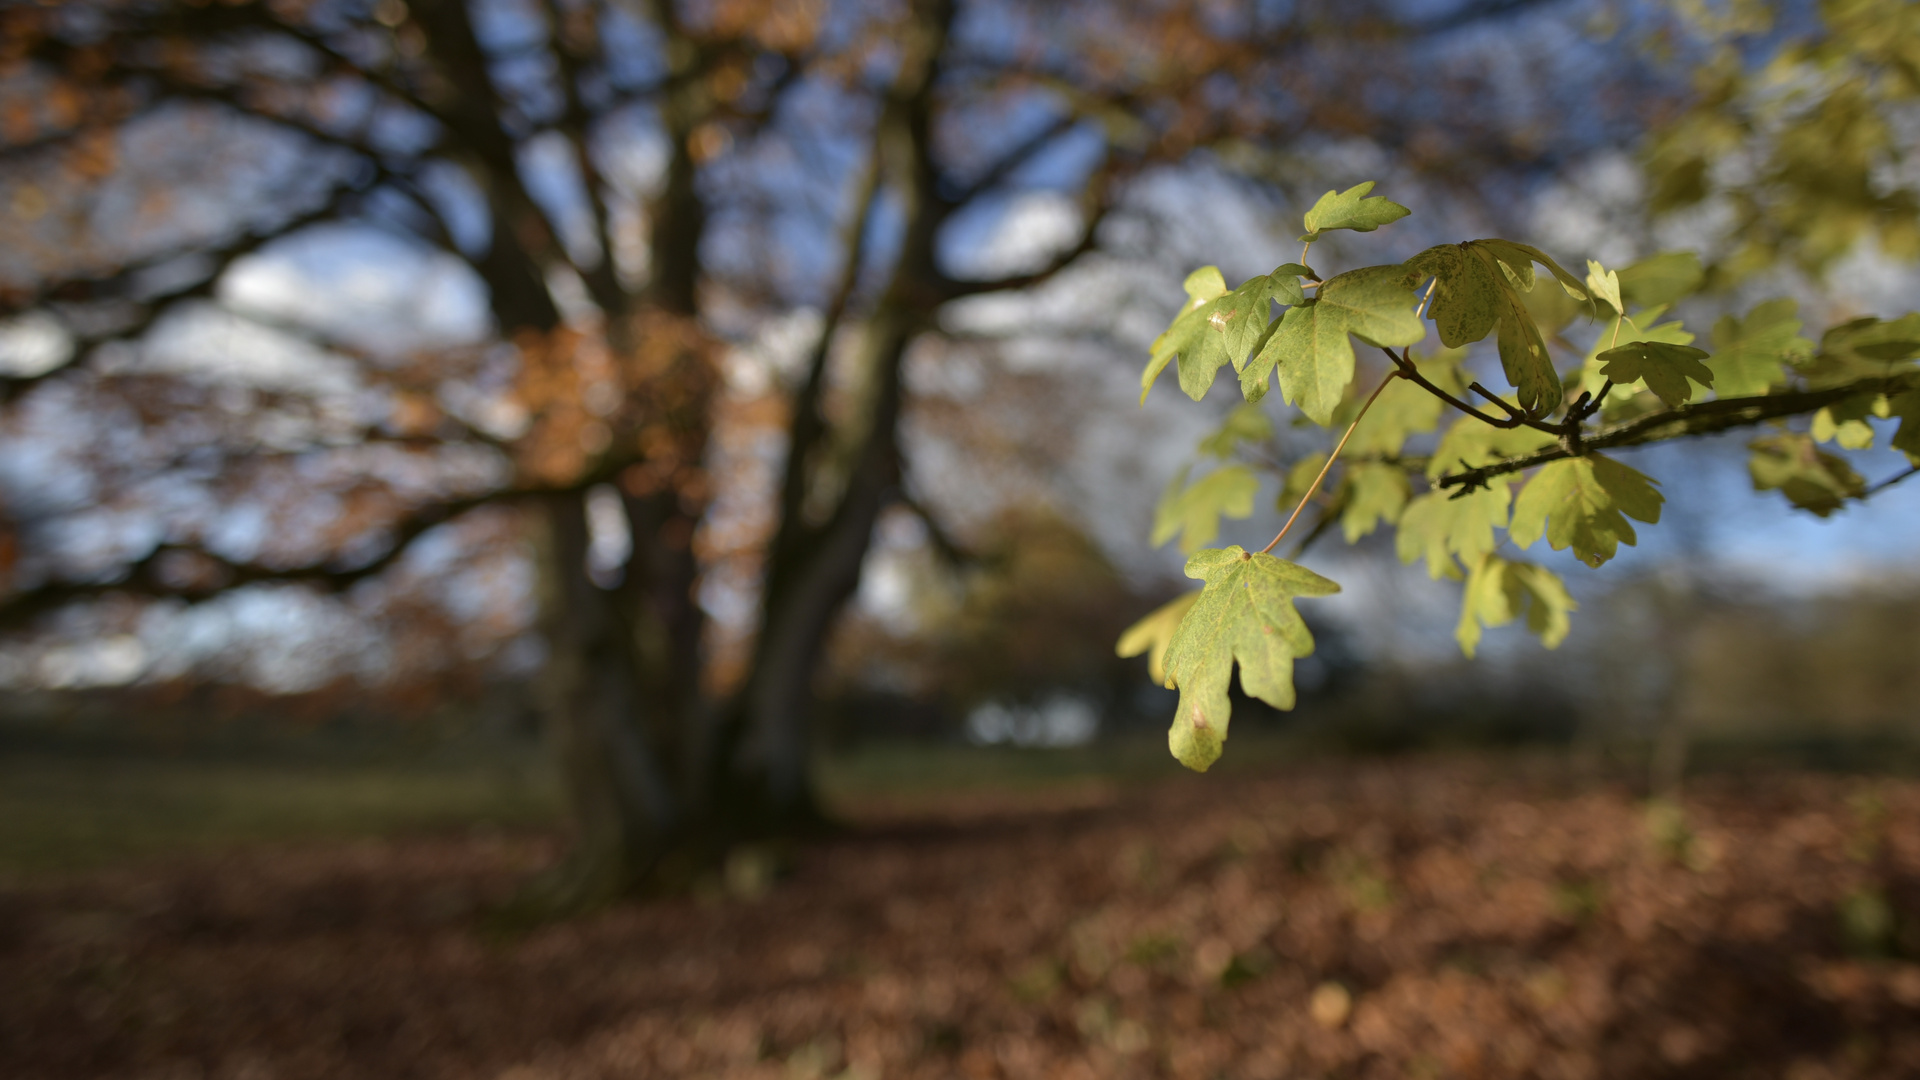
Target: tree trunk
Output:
[
  {"x": 624, "y": 805},
  {"x": 764, "y": 748}
]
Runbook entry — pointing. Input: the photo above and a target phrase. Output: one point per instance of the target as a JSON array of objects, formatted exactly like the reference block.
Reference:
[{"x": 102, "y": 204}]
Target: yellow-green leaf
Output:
[
  {"x": 1478, "y": 287},
  {"x": 1471, "y": 443},
  {"x": 1749, "y": 354},
  {"x": 1245, "y": 616},
  {"x": 1440, "y": 525},
  {"x": 1194, "y": 510},
  {"x": 1191, "y": 334},
  {"x": 1584, "y": 503},
  {"x": 1152, "y": 634},
  {"x": 1497, "y": 590},
  {"x": 1375, "y": 493},
  {"x": 1312, "y": 349},
  {"x": 1351, "y": 209}
]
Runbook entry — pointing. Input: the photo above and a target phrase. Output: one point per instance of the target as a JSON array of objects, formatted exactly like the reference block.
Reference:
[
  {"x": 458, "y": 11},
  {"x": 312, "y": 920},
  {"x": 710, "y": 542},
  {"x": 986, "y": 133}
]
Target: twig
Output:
[
  {"x": 1699, "y": 418},
  {"x": 1409, "y": 372},
  {"x": 1331, "y": 458}
]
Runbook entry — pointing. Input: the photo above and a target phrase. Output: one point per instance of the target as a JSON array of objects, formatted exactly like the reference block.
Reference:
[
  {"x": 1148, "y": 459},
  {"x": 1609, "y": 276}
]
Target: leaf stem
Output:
[
  {"x": 1314, "y": 487},
  {"x": 1422, "y": 309}
]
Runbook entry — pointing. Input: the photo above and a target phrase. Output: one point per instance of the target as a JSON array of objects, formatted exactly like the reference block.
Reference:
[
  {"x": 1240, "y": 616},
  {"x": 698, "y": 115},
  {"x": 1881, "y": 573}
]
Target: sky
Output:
[{"x": 365, "y": 287}]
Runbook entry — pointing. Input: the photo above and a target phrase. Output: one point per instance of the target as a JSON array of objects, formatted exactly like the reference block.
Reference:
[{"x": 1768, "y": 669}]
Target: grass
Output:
[
  {"x": 63, "y": 810},
  {"x": 67, "y": 812}
]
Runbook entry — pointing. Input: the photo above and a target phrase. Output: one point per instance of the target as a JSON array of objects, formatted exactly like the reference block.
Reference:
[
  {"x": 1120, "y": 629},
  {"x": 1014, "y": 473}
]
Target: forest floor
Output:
[{"x": 1424, "y": 917}]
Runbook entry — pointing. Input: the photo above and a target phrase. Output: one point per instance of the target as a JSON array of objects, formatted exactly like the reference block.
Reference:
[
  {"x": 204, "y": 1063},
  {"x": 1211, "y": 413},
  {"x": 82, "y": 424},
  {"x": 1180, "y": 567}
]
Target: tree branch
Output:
[{"x": 1690, "y": 421}]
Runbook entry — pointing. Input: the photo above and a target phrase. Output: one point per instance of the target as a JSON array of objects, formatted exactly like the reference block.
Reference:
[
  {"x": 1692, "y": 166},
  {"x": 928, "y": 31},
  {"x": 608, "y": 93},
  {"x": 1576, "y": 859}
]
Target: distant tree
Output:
[{"x": 151, "y": 146}]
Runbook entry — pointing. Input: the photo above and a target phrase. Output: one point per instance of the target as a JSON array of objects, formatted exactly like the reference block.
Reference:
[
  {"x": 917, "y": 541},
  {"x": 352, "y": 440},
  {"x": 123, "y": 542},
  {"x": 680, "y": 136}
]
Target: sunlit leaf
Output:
[
  {"x": 1152, "y": 634},
  {"x": 1440, "y": 525},
  {"x": 1215, "y": 327},
  {"x": 1750, "y": 354},
  {"x": 1351, "y": 209},
  {"x": 1845, "y": 422},
  {"x": 1375, "y": 493},
  {"x": 1312, "y": 349},
  {"x": 1244, "y": 615},
  {"x": 1498, "y": 589},
  {"x": 1604, "y": 285},
  {"x": 1584, "y": 503},
  {"x": 1479, "y": 287},
  {"x": 1192, "y": 337},
  {"x": 1194, "y": 510}
]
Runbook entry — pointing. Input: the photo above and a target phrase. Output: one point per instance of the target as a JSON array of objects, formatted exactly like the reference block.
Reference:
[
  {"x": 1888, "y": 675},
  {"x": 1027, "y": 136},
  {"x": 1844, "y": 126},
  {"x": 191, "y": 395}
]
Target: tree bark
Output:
[{"x": 814, "y": 562}]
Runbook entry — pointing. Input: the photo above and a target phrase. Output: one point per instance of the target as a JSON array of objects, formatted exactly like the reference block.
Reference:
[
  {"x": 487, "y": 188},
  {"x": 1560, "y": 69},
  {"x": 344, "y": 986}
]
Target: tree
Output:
[
  {"x": 1642, "y": 381},
  {"x": 501, "y": 134}
]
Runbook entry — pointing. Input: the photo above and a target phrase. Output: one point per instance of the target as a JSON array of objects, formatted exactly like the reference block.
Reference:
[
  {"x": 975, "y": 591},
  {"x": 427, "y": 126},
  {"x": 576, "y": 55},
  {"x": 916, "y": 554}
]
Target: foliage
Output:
[
  {"x": 1244, "y": 615},
  {"x": 1525, "y": 464},
  {"x": 1796, "y": 151}
]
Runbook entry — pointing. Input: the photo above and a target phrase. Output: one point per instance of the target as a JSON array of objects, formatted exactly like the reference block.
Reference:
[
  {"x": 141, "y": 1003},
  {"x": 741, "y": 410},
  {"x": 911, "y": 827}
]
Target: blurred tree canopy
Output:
[{"x": 637, "y": 186}]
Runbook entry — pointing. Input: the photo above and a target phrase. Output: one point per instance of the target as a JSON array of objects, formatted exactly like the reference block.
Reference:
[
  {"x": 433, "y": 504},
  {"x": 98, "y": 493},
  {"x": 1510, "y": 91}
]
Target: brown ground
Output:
[{"x": 1381, "y": 920}]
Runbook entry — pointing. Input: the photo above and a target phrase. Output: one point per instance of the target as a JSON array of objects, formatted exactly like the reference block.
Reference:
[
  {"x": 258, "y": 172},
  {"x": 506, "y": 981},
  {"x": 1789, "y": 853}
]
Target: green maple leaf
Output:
[
  {"x": 1152, "y": 634},
  {"x": 1311, "y": 347},
  {"x": 1194, "y": 510},
  {"x": 1665, "y": 367},
  {"x": 1246, "y": 423},
  {"x": 1351, "y": 209},
  {"x": 1440, "y": 525},
  {"x": 1659, "y": 280},
  {"x": 1604, "y": 285},
  {"x": 1244, "y": 615},
  {"x": 1216, "y": 327},
  {"x": 1192, "y": 337},
  {"x": 1478, "y": 288},
  {"x": 1375, "y": 492},
  {"x": 1584, "y": 503},
  {"x": 1403, "y": 409},
  {"x": 1242, "y": 315},
  {"x": 1808, "y": 476},
  {"x": 1498, "y": 589},
  {"x": 1623, "y": 395},
  {"x": 1749, "y": 354}
]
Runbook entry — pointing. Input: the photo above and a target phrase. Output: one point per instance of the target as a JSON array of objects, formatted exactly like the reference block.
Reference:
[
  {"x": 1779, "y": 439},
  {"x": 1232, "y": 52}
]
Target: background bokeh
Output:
[{"x": 464, "y": 463}]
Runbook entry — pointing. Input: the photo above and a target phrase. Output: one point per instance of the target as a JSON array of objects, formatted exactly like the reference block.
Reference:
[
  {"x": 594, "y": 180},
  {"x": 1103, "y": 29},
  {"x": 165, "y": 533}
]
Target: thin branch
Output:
[
  {"x": 1411, "y": 373},
  {"x": 1700, "y": 418},
  {"x": 808, "y": 425},
  {"x": 142, "y": 577},
  {"x": 1016, "y": 157}
]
